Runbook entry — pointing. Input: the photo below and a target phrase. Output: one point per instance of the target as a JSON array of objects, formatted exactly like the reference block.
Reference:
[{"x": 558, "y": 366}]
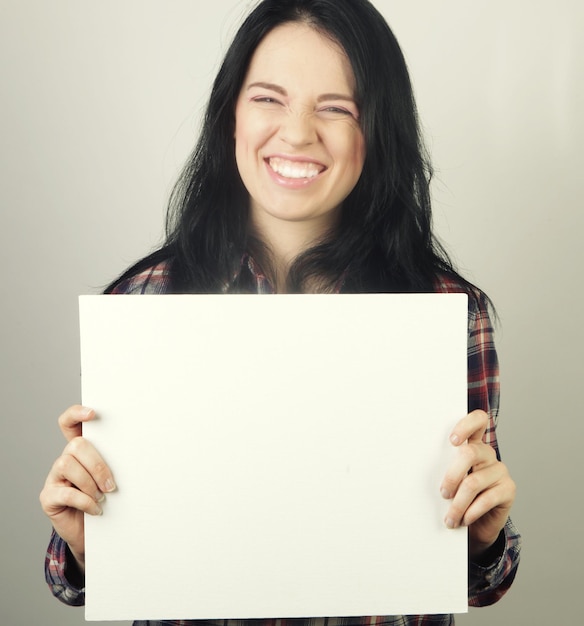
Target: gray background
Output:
[{"x": 100, "y": 103}]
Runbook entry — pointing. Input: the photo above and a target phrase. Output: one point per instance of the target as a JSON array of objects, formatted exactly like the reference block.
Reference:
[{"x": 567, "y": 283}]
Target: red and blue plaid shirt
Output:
[{"x": 486, "y": 584}]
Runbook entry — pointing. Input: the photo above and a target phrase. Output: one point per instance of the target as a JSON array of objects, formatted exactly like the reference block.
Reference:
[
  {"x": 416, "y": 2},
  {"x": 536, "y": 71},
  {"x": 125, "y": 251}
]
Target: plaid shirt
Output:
[{"x": 486, "y": 584}]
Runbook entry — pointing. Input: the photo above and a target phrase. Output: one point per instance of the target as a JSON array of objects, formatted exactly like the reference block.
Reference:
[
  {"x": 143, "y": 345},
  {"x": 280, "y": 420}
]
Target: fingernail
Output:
[
  {"x": 449, "y": 522},
  {"x": 98, "y": 510},
  {"x": 85, "y": 411},
  {"x": 455, "y": 439},
  {"x": 445, "y": 493},
  {"x": 109, "y": 485},
  {"x": 100, "y": 497}
]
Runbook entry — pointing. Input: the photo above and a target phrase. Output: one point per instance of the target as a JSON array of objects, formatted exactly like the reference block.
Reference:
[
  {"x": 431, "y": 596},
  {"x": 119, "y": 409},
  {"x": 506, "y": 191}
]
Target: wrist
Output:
[
  {"x": 75, "y": 568},
  {"x": 485, "y": 554}
]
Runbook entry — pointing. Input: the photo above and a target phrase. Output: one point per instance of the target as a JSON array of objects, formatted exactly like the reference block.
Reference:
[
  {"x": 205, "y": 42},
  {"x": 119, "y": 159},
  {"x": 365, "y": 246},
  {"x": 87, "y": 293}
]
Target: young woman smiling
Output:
[{"x": 310, "y": 176}]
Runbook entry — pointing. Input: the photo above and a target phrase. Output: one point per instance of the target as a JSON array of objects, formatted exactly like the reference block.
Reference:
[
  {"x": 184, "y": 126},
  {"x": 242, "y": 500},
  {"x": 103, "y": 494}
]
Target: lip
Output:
[{"x": 294, "y": 183}]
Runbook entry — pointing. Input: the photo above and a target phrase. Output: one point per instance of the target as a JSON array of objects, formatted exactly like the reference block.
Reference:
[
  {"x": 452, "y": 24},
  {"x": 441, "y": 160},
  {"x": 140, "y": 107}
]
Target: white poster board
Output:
[{"x": 275, "y": 456}]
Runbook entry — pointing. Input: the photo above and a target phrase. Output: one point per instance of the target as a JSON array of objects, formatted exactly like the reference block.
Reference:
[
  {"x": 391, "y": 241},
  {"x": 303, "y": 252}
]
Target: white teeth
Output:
[{"x": 292, "y": 169}]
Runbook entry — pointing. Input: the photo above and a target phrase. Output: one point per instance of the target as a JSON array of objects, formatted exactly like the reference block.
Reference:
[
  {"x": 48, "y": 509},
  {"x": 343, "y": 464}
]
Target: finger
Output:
[
  {"x": 67, "y": 471},
  {"x": 70, "y": 421},
  {"x": 472, "y": 456},
  {"x": 497, "y": 499},
  {"x": 484, "y": 485},
  {"x": 55, "y": 499},
  {"x": 489, "y": 502},
  {"x": 472, "y": 427},
  {"x": 88, "y": 457}
]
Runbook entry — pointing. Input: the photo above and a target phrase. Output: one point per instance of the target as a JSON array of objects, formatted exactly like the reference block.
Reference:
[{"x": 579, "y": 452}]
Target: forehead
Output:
[{"x": 297, "y": 53}]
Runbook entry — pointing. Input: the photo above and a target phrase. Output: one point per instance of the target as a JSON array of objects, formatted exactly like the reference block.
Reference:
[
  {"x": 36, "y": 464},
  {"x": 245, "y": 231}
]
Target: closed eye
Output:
[
  {"x": 265, "y": 100},
  {"x": 337, "y": 112}
]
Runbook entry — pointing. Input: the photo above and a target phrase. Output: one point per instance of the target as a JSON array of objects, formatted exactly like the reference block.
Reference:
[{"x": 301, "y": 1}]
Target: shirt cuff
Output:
[
  {"x": 488, "y": 583},
  {"x": 57, "y": 560}
]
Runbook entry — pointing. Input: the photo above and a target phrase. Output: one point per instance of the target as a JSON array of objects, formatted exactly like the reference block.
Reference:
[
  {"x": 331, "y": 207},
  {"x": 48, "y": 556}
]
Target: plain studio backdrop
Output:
[{"x": 100, "y": 103}]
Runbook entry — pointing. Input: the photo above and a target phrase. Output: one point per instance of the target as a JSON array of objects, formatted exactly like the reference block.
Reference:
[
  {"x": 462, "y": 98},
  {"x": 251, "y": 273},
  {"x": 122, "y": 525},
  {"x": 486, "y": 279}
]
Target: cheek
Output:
[
  {"x": 248, "y": 141},
  {"x": 242, "y": 145},
  {"x": 356, "y": 158},
  {"x": 243, "y": 130},
  {"x": 349, "y": 147},
  {"x": 359, "y": 146},
  {"x": 251, "y": 129}
]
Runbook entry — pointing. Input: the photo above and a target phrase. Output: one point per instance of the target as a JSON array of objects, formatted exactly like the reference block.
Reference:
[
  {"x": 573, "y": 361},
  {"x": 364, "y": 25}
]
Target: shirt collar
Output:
[{"x": 260, "y": 280}]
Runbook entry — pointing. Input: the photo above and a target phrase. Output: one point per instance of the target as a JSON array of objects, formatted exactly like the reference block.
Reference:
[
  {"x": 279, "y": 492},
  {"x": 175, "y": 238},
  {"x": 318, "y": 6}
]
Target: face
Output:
[{"x": 298, "y": 142}]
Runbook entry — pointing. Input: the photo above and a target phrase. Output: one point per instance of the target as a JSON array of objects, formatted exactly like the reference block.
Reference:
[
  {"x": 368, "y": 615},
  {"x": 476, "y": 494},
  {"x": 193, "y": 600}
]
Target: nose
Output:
[{"x": 298, "y": 129}]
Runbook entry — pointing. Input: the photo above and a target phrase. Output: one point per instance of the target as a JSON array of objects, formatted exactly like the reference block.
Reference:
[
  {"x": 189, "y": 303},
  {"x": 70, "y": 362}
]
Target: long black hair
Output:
[{"x": 384, "y": 241}]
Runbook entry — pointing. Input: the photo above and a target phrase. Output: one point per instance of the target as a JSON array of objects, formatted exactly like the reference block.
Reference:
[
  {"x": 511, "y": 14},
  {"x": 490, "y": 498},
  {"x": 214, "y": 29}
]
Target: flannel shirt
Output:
[{"x": 486, "y": 584}]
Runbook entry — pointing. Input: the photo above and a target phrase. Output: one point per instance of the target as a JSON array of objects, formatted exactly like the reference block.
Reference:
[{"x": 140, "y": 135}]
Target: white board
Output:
[{"x": 275, "y": 456}]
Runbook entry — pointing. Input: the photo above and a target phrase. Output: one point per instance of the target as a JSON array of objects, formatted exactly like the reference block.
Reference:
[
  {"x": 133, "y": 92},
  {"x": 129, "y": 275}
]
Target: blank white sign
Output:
[{"x": 275, "y": 456}]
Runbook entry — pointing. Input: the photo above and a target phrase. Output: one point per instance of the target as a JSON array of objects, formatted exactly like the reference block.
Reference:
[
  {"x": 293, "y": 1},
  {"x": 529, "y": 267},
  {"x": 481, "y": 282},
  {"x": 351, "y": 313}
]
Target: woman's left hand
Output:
[{"x": 479, "y": 486}]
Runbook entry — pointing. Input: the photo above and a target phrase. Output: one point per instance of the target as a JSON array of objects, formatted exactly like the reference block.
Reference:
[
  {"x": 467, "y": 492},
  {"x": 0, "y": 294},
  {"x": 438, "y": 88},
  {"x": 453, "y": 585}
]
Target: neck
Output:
[{"x": 286, "y": 240}]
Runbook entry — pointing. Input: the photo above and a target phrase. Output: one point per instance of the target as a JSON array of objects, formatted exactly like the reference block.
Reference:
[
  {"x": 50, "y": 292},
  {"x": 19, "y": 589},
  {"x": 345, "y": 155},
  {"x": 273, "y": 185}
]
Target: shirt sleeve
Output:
[
  {"x": 55, "y": 573},
  {"x": 488, "y": 584},
  {"x": 154, "y": 281}
]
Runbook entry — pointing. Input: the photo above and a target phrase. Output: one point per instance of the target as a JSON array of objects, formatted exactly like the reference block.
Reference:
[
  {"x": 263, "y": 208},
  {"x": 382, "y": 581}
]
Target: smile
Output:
[{"x": 295, "y": 170}]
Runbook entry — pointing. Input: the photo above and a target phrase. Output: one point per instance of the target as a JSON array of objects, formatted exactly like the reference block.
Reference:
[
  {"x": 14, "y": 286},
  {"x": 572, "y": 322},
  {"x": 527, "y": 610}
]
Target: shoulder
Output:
[
  {"x": 449, "y": 283},
  {"x": 153, "y": 280},
  {"x": 481, "y": 312},
  {"x": 478, "y": 301}
]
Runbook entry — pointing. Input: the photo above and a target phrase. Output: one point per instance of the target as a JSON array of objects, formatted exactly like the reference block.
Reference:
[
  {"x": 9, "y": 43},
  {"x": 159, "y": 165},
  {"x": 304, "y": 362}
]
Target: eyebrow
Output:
[
  {"x": 322, "y": 98},
  {"x": 270, "y": 86}
]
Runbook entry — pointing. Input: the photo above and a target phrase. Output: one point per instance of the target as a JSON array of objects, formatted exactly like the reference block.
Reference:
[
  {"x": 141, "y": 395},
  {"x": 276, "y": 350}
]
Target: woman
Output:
[{"x": 310, "y": 176}]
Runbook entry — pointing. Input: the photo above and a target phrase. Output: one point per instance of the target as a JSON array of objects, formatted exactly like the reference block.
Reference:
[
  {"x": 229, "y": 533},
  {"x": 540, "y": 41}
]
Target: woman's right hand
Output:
[{"x": 76, "y": 483}]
